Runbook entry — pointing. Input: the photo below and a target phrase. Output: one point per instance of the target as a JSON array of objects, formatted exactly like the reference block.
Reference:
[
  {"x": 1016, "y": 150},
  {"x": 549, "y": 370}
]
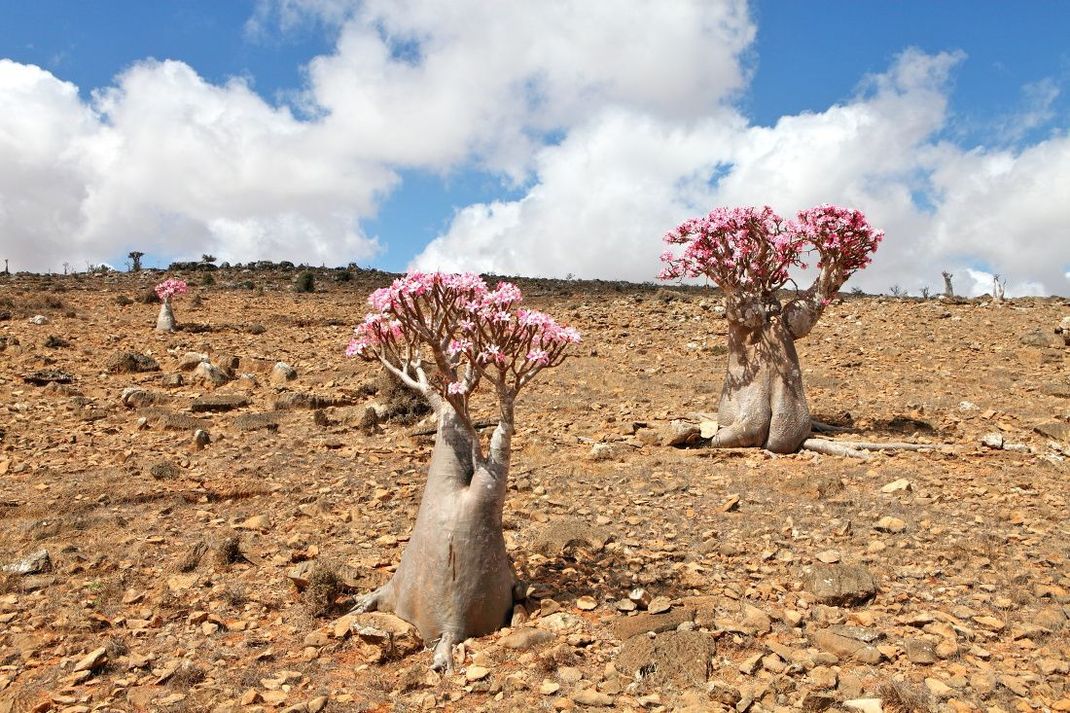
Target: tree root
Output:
[
  {"x": 833, "y": 448},
  {"x": 442, "y": 659},
  {"x": 369, "y": 602},
  {"x": 858, "y": 449}
]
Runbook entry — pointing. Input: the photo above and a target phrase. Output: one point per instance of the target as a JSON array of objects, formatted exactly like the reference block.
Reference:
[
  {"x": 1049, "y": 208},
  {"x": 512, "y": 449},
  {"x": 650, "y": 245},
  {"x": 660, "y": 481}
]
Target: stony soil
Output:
[{"x": 189, "y": 573}]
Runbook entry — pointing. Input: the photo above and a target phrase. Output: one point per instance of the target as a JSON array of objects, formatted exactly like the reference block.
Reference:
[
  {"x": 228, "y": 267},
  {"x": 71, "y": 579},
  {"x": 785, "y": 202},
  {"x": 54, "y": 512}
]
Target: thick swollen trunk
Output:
[
  {"x": 166, "y": 321},
  {"x": 455, "y": 579},
  {"x": 762, "y": 401}
]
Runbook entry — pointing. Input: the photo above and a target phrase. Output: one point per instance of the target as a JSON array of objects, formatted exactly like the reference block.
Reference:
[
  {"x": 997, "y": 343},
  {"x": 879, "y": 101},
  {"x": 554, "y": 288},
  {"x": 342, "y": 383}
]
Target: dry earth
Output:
[{"x": 758, "y": 566}]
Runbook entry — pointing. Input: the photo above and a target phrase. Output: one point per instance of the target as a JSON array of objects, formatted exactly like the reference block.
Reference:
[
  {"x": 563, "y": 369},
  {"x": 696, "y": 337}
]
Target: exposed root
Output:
[
  {"x": 857, "y": 449},
  {"x": 443, "y": 657},
  {"x": 833, "y": 448},
  {"x": 369, "y": 602}
]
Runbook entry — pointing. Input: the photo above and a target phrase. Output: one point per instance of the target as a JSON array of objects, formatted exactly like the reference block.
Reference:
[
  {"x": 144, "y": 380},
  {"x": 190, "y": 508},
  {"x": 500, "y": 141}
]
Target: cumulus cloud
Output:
[
  {"x": 168, "y": 163},
  {"x": 605, "y": 195},
  {"x": 615, "y": 120}
]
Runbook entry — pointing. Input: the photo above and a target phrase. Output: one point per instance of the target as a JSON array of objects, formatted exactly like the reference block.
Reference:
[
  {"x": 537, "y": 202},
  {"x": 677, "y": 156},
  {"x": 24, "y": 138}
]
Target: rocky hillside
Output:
[{"x": 185, "y": 519}]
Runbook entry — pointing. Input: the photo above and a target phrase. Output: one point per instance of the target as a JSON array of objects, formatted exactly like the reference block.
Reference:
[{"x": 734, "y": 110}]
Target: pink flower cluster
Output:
[
  {"x": 468, "y": 327},
  {"x": 752, "y": 249},
  {"x": 170, "y": 287},
  {"x": 843, "y": 238}
]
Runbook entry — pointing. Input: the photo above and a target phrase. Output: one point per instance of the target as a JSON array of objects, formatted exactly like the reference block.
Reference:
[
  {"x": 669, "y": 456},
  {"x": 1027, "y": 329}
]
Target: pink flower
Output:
[
  {"x": 462, "y": 323},
  {"x": 171, "y": 287},
  {"x": 458, "y": 346},
  {"x": 539, "y": 356},
  {"x": 356, "y": 347}
]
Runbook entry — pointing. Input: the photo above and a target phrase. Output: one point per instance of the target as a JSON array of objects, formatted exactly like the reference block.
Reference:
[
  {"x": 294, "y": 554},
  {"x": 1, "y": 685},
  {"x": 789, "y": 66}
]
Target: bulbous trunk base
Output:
[
  {"x": 165, "y": 322},
  {"x": 455, "y": 579},
  {"x": 762, "y": 402}
]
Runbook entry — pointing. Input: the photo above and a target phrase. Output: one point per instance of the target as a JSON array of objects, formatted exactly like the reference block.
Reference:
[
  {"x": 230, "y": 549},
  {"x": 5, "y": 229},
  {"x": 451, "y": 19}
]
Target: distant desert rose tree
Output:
[
  {"x": 166, "y": 290},
  {"x": 445, "y": 335},
  {"x": 748, "y": 252}
]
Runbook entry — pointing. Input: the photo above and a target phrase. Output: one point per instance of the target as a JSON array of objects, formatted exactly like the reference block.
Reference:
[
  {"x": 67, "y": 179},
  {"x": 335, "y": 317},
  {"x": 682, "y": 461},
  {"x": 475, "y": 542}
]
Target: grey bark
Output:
[
  {"x": 165, "y": 322},
  {"x": 455, "y": 579},
  {"x": 949, "y": 291},
  {"x": 763, "y": 403}
]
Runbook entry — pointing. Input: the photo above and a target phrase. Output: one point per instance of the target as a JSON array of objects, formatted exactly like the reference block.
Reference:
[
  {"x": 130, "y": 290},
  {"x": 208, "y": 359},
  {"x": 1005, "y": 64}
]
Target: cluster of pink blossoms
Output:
[
  {"x": 752, "y": 249},
  {"x": 468, "y": 327},
  {"x": 170, "y": 287}
]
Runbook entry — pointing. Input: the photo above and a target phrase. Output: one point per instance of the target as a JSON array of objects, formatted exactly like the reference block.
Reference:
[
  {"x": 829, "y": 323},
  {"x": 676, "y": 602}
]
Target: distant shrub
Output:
[
  {"x": 207, "y": 280},
  {"x": 343, "y": 276},
  {"x": 306, "y": 282}
]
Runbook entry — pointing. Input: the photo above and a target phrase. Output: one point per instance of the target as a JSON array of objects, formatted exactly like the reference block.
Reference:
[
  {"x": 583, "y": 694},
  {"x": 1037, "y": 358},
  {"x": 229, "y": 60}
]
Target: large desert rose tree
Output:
[
  {"x": 166, "y": 291},
  {"x": 446, "y": 336},
  {"x": 748, "y": 252}
]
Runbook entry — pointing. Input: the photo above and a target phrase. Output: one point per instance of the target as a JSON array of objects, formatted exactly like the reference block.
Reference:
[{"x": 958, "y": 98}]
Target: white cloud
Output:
[
  {"x": 618, "y": 117},
  {"x": 170, "y": 164},
  {"x": 615, "y": 185}
]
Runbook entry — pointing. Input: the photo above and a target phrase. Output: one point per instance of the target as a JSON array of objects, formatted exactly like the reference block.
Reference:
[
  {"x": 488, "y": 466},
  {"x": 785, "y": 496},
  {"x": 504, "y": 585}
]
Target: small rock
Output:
[
  {"x": 130, "y": 363},
  {"x": 708, "y": 429},
  {"x": 865, "y": 705},
  {"x": 659, "y": 605},
  {"x": 548, "y": 687},
  {"x": 586, "y": 603},
  {"x": 640, "y": 597},
  {"x": 844, "y": 647},
  {"x": 91, "y": 660},
  {"x": 1055, "y": 430},
  {"x": 208, "y": 373},
  {"x": 201, "y": 438},
  {"x": 896, "y": 486},
  {"x": 601, "y": 452},
  {"x": 39, "y": 320},
  {"x": 890, "y": 524},
  {"x": 841, "y": 584},
  {"x": 218, "y": 402},
  {"x": 993, "y": 441},
  {"x": 750, "y": 664},
  {"x": 920, "y": 651},
  {"x": 682, "y": 434},
  {"x": 592, "y": 697},
  {"x": 191, "y": 360},
  {"x": 828, "y": 556},
  {"x": 34, "y": 563},
  {"x": 256, "y": 522},
  {"x": 814, "y": 702},
  {"x": 476, "y": 673},
  {"x": 524, "y": 639},
  {"x": 822, "y": 677},
  {"x": 938, "y": 688},
  {"x": 282, "y": 373}
]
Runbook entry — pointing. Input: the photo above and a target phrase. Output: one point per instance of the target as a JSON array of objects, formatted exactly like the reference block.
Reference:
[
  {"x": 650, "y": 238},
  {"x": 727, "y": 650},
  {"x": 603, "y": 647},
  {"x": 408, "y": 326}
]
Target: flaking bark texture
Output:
[
  {"x": 165, "y": 322},
  {"x": 455, "y": 579},
  {"x": 763, "y": 403}
]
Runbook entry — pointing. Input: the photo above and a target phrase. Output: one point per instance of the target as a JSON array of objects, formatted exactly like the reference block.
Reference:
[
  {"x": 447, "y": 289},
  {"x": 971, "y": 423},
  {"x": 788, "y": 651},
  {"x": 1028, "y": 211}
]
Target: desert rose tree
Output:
[
  {"x": 748, "y": 252},
  {"x": 446, "y": 335},
  {"x": 166, "y": 290}
]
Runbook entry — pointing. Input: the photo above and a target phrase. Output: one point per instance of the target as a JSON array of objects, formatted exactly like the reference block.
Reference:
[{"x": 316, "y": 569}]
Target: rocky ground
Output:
[{"x": 147, "y": 567}]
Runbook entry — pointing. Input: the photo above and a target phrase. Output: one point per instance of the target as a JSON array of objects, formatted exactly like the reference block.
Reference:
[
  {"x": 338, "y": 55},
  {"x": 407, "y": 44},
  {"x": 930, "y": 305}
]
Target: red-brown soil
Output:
[{"x": 973, "y": 583}]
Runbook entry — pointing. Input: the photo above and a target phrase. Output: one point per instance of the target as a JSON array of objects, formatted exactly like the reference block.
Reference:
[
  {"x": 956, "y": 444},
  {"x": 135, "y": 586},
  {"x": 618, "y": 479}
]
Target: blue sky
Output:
[{"x": 1005, "y": 91}]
